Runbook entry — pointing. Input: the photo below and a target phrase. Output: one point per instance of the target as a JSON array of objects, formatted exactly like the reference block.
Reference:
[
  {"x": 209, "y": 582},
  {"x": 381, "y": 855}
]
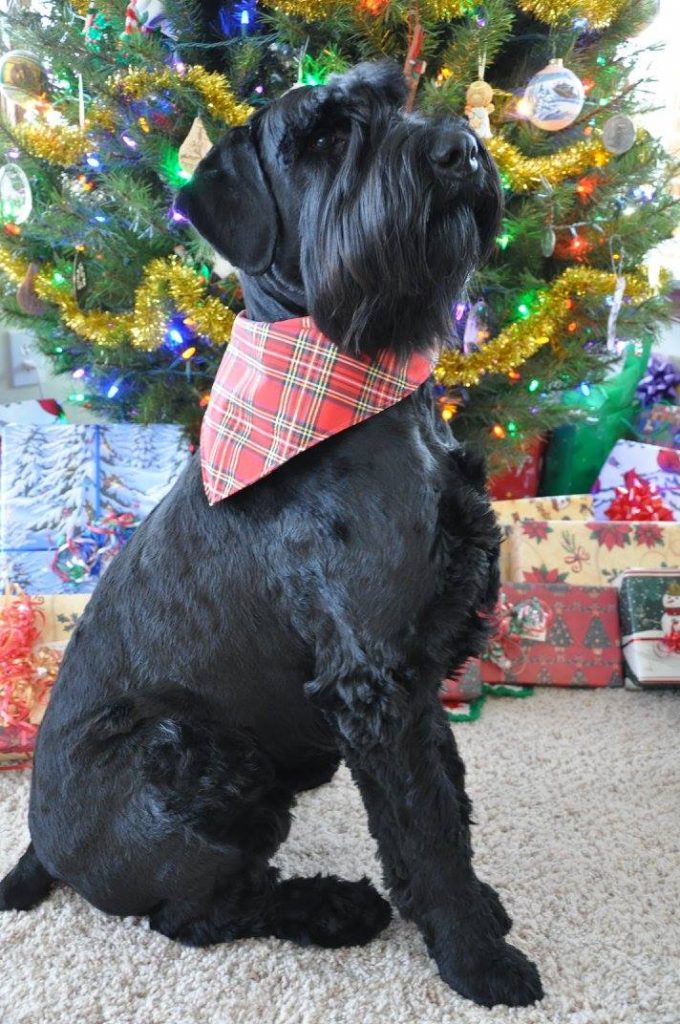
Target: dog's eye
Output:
[{"x": 328, "y": 141}]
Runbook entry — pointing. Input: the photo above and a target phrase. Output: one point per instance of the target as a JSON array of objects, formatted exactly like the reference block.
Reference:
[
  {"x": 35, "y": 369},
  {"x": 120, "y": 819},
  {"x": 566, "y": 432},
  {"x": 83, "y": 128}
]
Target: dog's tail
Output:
[{"x": 26, "y": 885}]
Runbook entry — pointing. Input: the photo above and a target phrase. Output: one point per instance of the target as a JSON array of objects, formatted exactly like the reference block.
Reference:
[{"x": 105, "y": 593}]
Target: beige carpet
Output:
[{"x": 577, "y": 799}]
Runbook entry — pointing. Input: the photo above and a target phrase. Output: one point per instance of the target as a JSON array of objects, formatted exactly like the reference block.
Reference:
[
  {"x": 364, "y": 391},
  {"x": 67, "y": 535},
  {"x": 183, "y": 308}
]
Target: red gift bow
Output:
[
  {"x": 26, "y": 673},
  {"x": 638, "y": 501}
]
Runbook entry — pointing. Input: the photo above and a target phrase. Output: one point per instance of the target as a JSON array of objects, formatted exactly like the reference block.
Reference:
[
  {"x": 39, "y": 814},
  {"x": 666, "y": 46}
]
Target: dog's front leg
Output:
[{"x": 390, "y": 735}]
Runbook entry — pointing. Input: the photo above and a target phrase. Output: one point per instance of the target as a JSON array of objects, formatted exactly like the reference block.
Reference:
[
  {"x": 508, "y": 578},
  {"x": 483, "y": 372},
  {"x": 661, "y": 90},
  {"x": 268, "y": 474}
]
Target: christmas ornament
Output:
[
  {"x": 16, "y": 198},
  {"x": 27, "y": 298},
  {"x": 374, "y": 7},
  {"x": 147, "y": 16},
  {"x": 94, "y": 27},
  {"x": 476, "y": 328},
  {"x": 548, "y": 240},
  {"x": 660, "y": 382},
  {"x": 196, "y": 145},
  {"x": 478, "y": 106},
  {"x": 80, "y": 282},
  {"x": 554, "y": 97},
  {"x": 414, "y": 66},
  {"x": 618, "y": 134},
  {"x": 22, "y": 79},
  {"x": 638, "y": 502}
]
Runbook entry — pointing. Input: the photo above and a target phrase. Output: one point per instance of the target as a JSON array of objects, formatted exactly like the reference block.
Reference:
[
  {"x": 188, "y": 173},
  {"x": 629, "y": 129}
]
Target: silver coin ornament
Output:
[
  {"x": 16, "y": 197},
  {"x": 618, "y": 134},
  {"x": 80, "y": 282},
  {"x": 548, "y": 240},
  {"x": 555, "y": 97}
]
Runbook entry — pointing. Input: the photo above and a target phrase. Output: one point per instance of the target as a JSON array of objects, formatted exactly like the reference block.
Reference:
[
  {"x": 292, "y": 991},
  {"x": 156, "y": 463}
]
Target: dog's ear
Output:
[
  {"x": 384, "y": 77},
  {"x": 229, "y": 202}
]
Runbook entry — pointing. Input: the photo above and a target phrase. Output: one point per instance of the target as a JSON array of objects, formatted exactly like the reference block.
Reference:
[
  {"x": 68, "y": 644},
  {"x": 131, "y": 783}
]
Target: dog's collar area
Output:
[{"x": 284, "y": 387}]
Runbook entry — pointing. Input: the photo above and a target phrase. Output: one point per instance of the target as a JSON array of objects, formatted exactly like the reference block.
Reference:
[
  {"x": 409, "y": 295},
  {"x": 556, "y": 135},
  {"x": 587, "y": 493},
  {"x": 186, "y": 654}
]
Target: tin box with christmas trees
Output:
[
  {"x": 554, "y": 634},
  {"x": 650, "y": 627}
]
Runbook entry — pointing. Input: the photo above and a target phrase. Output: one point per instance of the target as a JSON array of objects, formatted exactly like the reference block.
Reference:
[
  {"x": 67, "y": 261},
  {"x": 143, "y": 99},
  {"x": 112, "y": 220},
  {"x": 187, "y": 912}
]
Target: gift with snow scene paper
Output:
[
  {"x": 591, "y": 554},
  {"x": 71, "y": 495},
  {"x": 650, "y": 627},
  {"x": 642, "y": 478},
  {"x": 551, "y": 634}
]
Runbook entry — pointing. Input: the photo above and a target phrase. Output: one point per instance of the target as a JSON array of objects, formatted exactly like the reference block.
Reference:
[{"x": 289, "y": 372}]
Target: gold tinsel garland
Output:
[
  {"x": 212, "y": 87},
  {"x": 599, "y": 13},
  {"x": 62, "y": 144},
  {"x": 318, "y": 10},
  {"x": 524, "y": 173},
  {"x": 145, "y": 324},
  {"x": 522, "y": 339}
]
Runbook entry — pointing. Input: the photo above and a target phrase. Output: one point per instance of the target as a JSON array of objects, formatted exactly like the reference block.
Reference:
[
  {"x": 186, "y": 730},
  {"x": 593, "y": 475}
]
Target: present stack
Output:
[{"x": 591, "y": 582}]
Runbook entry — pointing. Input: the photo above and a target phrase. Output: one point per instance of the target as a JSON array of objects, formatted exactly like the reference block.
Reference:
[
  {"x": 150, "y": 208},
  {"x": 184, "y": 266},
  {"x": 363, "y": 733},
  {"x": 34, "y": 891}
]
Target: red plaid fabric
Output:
[{"x": 284, "y": 387}]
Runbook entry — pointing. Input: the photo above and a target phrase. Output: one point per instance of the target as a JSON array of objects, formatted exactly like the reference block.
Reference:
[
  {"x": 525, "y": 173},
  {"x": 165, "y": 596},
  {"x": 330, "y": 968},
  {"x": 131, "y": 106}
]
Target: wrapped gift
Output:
[
  {"x": 660, "y": 425},
  {"x": 650, "y": 627},
  {"x": 570, "y": 506},
  {"x": 555, "y": 635},
  {"x": 465, "y": 686},
  {"x": 591, "y": 554},
  {"x": 34, "y": 632},
  {"x": 521, "y": 478},
  {"x": 71, "y": 495},
  {"x": 639, "y": 477},
  {"x": 34, "y": 411},
  {"x": 602, "y": 414}
]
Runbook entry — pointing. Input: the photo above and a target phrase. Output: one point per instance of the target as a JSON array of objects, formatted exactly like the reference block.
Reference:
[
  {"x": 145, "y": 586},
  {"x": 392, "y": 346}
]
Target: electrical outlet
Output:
[{"x": 23, "y": 359}]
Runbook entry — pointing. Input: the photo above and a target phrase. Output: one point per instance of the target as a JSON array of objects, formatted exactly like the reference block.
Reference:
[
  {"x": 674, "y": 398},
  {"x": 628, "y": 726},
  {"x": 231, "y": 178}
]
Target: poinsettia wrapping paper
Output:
[
  {"x": 659, "y": 467},
  {"x": 581, "y": 645},
  {"x": 57, "y": 481},
  {"x": 466, "y": 685},
  {"x": 59, "y": 614},
  {"x": 650, "y": 628},
  {"x": 569, "y": 506},
  {"x": 591, "y": 554}
]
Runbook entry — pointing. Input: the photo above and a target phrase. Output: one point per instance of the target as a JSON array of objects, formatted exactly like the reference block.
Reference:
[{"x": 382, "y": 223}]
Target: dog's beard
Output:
[{"x": 386, "y": 250}]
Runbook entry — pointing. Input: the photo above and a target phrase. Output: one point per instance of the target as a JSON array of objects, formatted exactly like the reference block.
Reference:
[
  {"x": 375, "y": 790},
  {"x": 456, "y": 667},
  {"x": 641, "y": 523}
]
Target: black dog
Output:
[{"x": 232, "y": 655}]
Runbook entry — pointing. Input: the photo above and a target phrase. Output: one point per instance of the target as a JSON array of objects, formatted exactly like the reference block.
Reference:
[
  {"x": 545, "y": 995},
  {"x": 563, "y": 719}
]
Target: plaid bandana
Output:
[{"x": 282, "y": 388}]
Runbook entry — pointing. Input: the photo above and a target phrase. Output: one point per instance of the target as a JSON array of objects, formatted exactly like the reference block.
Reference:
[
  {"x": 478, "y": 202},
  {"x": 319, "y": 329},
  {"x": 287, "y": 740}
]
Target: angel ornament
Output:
[{"x": 478, "y": 106}]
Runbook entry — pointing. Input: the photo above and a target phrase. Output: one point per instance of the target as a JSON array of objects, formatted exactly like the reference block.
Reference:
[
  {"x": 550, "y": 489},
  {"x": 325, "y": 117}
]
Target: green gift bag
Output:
[{"x": 578, "y": 450}]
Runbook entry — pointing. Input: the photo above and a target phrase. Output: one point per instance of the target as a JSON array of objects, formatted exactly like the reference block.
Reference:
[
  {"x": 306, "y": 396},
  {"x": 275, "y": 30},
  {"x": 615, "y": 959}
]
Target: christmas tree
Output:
[{"x": 112, "y": 117}]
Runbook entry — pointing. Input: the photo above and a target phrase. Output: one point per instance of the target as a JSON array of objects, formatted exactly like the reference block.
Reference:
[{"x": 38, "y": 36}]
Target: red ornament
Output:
[{"x": 638, "y": 502}]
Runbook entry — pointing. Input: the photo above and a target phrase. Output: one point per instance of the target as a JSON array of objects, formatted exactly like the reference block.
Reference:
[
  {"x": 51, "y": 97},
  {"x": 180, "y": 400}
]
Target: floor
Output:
[{"x": 577, "y": 798}]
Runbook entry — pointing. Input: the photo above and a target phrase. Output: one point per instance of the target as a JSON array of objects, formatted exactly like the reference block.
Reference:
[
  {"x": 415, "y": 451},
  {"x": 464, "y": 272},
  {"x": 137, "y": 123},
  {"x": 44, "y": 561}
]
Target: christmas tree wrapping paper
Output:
[
  {"x": 606, "y": 412},
  {"x": 658, "y": 468},
  {"x": 555, "y": 635},
  {"x": 650, "y": 628},
  {"x": 465, "y": 686},
  {"x": 71, "y": 495},
  {"x": 31, "y": 649},
  {"x": 570, "y": 506},
  {"x": 660, "y": 425},
  {"x": 590, "y": 554}
]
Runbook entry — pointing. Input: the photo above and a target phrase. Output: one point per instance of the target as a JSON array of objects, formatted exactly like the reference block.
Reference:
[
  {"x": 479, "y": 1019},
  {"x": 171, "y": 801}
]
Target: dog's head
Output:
[{"x": 334, "y": 201}]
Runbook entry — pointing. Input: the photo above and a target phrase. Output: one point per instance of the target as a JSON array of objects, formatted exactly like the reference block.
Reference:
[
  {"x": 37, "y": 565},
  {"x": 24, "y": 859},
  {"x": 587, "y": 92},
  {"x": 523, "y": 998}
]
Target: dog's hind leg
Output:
[
  {"x": 26, "y": 885},
  {"x": 218, "y": 785}
]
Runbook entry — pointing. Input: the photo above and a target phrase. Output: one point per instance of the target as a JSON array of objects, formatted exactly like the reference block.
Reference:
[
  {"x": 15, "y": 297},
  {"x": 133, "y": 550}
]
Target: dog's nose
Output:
[{"x": 455, "y": 152}]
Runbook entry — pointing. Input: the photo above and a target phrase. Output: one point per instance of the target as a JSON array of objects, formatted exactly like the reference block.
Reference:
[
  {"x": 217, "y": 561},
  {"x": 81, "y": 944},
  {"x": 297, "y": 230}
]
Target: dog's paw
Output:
[
  {"x": 502, "y": 975},
  {"x": 496, "y": 908}
]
